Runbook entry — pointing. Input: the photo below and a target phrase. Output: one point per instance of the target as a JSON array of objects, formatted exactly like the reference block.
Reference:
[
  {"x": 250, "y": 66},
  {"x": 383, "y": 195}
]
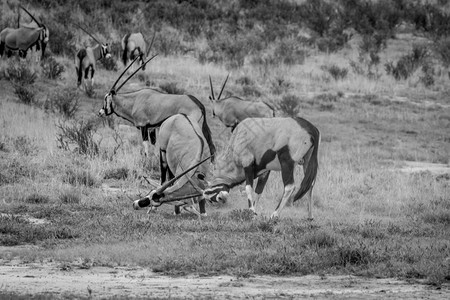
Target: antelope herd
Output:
[{"x": 259, "y": 142}]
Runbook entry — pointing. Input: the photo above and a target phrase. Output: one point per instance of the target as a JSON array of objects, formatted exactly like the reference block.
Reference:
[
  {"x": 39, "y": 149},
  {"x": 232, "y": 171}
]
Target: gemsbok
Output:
[
  {"x": 133, "y": 45},
  {"x": 147, "y": 109},
  {"x": 23, "y": 38},
  {"x": 183, "y": 148},
  {"x": 232, "y": 110},
  {"x": 86, "y": 59},
  {"x": 259, "y": 146}
]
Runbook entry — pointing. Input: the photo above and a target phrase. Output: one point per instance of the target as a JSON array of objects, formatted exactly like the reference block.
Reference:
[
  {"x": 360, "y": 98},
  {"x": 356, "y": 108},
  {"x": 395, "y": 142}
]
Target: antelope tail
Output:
[
  {"x": 125, "y": 48},
  {"x": 80, "y": 55},
  {"x": 313, "y": 164},
  {"x": 2, "y": 48},
  {"x": 205, "y": 128}
]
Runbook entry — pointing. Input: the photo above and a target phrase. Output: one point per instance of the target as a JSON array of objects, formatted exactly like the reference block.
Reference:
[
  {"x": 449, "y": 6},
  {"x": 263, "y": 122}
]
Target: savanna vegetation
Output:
[{"x": 371, "y": 75}]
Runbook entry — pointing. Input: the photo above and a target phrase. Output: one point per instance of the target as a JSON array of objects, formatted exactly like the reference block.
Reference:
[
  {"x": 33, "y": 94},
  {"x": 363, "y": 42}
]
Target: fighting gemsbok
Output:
[
  {"x": 232, "y": 110},
  {"x": 86, "y": 58},
  {"x": 133, "y": 45},
  {"x": 23, "y": 38},
  {"x": 182, "y": 148},
  {"x": 148, "y": 109},
  {"x": 259, "y": 146}
]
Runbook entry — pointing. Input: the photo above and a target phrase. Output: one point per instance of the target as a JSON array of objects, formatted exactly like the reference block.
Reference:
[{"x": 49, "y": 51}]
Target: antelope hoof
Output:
[
  {"x": 310, "y": 219},
  {"x": 204, "y": 215}
]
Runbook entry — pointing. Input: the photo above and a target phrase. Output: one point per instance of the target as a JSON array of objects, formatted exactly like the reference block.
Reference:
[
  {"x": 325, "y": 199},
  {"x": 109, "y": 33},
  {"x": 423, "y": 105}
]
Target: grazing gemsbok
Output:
[
  {"x": 23, "y": 38},
  {"x": 232, "y": 110},
  {"x": 133, "y": 45},
  {"x": 86, "y": 58},
  {"x": 148, "y": 109},
  {"x": 182, "y": 148}
]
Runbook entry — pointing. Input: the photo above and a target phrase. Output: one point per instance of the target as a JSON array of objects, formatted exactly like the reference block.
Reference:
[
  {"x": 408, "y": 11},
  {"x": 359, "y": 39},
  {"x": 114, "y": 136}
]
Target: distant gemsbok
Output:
[
  {"x": 23, "y": 38},
  {"x": 258, "y": 146},
  {"x": 232, "y": 110},
  {"x": 86, "y": 60},
  {"x": 182, "y": 148},
  {"x": 148, "y": 109},
  {"x": 133, "y": 45}
]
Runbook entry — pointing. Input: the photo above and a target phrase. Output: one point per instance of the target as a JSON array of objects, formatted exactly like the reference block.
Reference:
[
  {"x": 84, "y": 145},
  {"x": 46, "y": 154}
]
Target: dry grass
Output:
[{"x": 369, "y": 219}]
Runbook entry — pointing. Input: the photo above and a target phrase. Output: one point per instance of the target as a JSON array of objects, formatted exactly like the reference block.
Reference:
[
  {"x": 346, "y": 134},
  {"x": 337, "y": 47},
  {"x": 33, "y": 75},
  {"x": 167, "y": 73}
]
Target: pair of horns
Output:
[
  {"x": 91, "y": 35},
  {"x": 212, "y": 90},
  {"x": 160, "y": 189},
  {"x": 129, "y": 77},
  {"x": 34, "y": 19}
]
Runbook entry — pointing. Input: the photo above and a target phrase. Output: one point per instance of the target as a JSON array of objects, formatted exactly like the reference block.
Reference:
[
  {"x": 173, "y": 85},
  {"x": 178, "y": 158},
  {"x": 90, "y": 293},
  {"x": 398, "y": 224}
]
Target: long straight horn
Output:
[
  {"x": 223, "y": 86},
  {"x": 212, "y": 90},
  {"x": 37, "y": 22},
  {"x": 170, "y": 182},
  {"x": 124, "y": 71},
  {"x": 92, "y": 36},
  {"x": 151, "y": 45},
  {"x": 143, "y": 65}
]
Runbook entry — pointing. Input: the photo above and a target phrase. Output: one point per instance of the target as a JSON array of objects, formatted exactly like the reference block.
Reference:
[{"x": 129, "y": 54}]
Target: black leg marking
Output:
[
  {"x": 202, "y": 206},
  {"x": 262, "y": 180}
]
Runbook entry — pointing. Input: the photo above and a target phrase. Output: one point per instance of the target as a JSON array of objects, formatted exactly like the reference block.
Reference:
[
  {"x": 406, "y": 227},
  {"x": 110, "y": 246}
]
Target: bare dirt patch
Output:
[{"x": 103, "y": 282}]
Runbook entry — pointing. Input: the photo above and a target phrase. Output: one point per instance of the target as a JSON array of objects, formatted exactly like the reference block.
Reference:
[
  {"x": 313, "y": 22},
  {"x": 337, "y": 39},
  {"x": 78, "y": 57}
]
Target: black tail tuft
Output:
[
  {"x": 80, "y": 55},
  {"x": 125, "y": 46},
  {"x": 311, "y": 168},
  {"x": 205, "y": 128}
]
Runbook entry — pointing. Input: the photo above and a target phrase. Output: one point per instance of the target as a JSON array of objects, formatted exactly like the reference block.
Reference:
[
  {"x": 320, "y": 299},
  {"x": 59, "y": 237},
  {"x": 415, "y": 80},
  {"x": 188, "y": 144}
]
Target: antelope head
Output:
[
  {"x": 156, "y": 197},
  {"x": 105, "y": 48},
  {"x": 212, "y": 96},
  {"x": 45, "y": 33},
  {"x": 108, "y": 108}
]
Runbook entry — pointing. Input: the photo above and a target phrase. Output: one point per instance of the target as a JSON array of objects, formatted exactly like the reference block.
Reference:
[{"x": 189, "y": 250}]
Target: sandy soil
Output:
[{"x": 103, "y": 282}]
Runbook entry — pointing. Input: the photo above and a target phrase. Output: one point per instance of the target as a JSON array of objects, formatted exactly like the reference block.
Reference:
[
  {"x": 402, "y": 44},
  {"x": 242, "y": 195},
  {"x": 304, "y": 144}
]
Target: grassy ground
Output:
[{"x": 370, "y": 218}]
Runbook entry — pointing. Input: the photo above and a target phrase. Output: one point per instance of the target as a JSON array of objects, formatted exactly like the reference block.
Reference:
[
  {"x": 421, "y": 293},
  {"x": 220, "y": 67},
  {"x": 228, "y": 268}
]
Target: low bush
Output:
[
  {"x": 25, "y": 93},
  {"x": 289, "y": 105},
  {"x": 51, "y": 68},
  {"x": 172, "y": 88},
  {"x": 19, "y": 72},
  {"x": 408, "y": 63},
  {"x": 63, "y": 101},
  {"x": 336, "y": 72},
  {"x": 78, "y": 136}
]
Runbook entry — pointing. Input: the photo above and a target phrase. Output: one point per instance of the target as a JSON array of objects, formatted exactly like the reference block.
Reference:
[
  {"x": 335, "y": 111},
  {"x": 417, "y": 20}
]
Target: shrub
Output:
[
  {"x": 63, "y": 101},
  {"x": 19, "y": 72},
  {"x": 336, "y": 72},
  {"x": 409, "y": 63},
  {"x": 118, "y": 173},
  {"x": 250, "y": 90},
  {"x": 279, "y": 85},
  {"x": 24, "y": 145},
  {"x": 79, "y": 177},
  {"x": 25, "y": 93},
  {"x": 37, "y": 199},
  {"x": 368, "y": 59},
  {"x": 442, "y": 48},
  {"x": 171, "y": 88},
  {"x": 51, "y": 68},
  {"x": 289, "y": 105},
  {"x": 78, "y": 136},
  {"x": 70, "y": 196}
]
